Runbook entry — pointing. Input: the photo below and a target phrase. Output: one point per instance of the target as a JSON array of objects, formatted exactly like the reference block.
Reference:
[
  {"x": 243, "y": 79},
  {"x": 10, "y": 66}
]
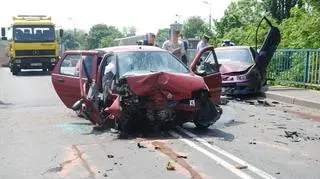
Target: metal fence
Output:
[
  {"x": 296, "y": 66},
  {"x": 293, "y": 66}
]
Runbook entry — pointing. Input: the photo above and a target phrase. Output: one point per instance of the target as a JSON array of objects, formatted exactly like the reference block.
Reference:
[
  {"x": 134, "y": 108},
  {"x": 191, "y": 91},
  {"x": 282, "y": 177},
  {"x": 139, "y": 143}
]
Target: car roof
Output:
[
  {"x": 233, "y": 47},
  {"x": 130, "y": 48},
  {"x": 115, "y": 49}
]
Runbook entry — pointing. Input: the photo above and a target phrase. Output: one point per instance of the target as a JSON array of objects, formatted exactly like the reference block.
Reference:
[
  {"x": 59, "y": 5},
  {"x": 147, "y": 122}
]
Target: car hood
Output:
[
  {"x": 175, "y": 86},
  {"x": 234, "y": 68}
]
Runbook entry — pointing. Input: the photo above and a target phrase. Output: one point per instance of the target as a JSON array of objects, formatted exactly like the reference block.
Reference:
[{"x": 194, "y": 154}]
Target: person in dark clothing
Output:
[{"x": 186, "y": 44}]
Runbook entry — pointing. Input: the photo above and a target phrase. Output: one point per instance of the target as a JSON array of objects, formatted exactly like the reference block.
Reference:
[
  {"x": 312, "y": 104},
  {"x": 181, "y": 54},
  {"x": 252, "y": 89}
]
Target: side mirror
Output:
[
  {"x": 61, "y": 33},
  {"x": 3, "y": 32}
]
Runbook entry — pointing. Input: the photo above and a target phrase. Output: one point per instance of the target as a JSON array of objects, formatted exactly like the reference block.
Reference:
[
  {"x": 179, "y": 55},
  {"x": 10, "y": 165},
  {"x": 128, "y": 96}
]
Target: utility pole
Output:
[{"x": 206, "y": 2}]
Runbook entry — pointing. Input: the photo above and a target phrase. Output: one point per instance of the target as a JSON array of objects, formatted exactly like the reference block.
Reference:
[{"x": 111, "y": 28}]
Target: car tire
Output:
[{"x": 15, "y": 71}]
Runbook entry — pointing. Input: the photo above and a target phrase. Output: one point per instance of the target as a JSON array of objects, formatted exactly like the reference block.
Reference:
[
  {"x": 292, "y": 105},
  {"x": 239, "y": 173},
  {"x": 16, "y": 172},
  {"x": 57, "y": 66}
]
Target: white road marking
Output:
[
  {"x": 212, "y": 156},
  {"x": 227, "y": 154}
]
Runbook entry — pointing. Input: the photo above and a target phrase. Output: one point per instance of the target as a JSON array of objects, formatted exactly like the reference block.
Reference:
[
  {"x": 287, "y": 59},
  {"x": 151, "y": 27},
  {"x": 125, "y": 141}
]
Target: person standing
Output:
[
  {"x": 186, "y": 45},
  {"x": 203, "y": 42},
  {"x": 174, "y": 45}
]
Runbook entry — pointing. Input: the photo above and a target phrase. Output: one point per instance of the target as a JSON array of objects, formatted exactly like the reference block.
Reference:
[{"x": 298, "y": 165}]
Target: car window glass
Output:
[
  {"x": 146, "y": 62},
  {"x": 234, "y": 56},
  {"x": 71, "y": 65}
]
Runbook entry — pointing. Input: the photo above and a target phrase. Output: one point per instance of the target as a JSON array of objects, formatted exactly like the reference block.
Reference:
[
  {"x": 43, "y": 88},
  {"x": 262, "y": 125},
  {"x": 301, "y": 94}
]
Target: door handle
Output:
[{"x": 60, "y": 80}]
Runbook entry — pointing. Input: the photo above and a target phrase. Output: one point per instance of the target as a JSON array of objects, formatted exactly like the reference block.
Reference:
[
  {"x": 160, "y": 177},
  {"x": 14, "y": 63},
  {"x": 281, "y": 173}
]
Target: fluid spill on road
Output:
[
  {"x": 74, "y": 127},
  {"x": 84, "y": 162},
  {"x": 174, "y": 156},
  {"x": 305, "y": 115}
]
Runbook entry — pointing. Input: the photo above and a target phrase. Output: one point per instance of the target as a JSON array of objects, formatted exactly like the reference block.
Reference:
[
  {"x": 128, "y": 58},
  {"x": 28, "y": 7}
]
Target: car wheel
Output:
[{"x": 15, "y": 70}]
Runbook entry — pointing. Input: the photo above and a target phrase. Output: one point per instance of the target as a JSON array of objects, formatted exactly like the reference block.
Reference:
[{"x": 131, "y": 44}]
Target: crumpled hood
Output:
[
  {"x": 235, "y": 67},
  {"x": 177, "y": 86}
]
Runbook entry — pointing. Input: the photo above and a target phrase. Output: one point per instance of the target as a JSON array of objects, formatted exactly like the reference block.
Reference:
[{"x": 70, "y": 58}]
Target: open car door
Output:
[
  {"x": 268, "y": 48},
  {"x": 91, "y": 91},
  {"x": 65, "y": 76},
  {"x": 206, "y": 65}
]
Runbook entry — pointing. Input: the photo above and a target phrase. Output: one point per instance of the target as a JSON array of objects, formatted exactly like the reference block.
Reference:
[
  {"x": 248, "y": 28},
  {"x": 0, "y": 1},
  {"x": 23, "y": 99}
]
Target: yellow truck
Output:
[{"x": 34, "y": 43}]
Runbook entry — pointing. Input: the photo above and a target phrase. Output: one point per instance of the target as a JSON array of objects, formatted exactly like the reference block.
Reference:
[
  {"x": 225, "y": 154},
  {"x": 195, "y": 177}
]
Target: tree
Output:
[
  {"x": 74, "y": 39},
  {"x": 129, "y": 31},
  {"x": 194, "y": 26},
  {"x": 101, "y": 35},
  {"x": 162, "y": 35},
  {"x": 239, "y": 14},
  {"x": 280, "y": 9}
]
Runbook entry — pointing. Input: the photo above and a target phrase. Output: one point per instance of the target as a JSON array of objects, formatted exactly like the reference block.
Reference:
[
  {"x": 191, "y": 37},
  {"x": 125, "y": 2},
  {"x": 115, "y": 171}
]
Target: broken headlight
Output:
[{"x": 242, "y": 77}]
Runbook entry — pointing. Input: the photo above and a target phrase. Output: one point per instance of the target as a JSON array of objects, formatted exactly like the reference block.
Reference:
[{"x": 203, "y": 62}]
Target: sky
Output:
[{"x": 145, "y": 15}]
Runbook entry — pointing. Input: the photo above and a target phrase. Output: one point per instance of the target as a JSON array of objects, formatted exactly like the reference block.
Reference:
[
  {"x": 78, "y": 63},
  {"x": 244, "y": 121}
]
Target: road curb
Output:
[{"x": 292, "y": 100}]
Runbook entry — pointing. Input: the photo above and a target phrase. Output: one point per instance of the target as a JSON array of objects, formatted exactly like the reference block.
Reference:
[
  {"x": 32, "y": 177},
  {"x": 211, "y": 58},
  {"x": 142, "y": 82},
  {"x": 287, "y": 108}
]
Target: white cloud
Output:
[{"x": 146, "y": 15}]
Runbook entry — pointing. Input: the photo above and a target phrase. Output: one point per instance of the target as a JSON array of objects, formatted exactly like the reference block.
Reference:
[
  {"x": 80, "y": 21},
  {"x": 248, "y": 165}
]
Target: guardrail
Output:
[
  {"x": 296, "y": 66},
  {"x": 291, "y": 66}
]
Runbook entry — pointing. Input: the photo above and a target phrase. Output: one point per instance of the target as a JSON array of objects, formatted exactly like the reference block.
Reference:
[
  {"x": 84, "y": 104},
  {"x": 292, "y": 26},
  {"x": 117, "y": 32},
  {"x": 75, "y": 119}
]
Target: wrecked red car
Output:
[
  {"x": 243, "y": 68},
  {"x": 138, "y": 85}
]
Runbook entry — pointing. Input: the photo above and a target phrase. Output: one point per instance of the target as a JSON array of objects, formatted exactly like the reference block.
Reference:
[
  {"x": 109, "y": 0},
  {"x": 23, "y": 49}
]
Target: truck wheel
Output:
[{"x": 15, "y": 70}]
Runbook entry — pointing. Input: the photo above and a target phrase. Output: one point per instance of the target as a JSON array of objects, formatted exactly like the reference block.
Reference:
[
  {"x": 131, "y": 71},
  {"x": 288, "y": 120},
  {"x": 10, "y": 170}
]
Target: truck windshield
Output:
[{"x": 33, "y": 33}]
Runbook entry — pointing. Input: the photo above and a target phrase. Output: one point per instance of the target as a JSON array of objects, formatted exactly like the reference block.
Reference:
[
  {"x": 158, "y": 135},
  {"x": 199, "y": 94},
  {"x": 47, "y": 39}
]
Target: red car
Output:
[
  {"x": 244, "y": 68},
  {"x": 135, "y": 85}
]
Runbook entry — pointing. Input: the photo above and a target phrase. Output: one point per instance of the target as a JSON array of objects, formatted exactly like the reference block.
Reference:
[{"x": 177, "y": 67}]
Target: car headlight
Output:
[
  {"x": 242, "y": 77},
  {"x": 18, "y": 61},
  {"x": 52, "y": 60}
]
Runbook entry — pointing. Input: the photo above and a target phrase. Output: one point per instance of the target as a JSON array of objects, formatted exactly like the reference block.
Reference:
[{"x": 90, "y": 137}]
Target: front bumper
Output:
[
  {"x": 34, "y": 63},
  {"x": 237, "y": 88}
]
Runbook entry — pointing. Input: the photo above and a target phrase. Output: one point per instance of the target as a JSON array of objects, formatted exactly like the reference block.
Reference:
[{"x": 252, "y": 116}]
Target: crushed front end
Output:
[{"x": 163, "y": 100}]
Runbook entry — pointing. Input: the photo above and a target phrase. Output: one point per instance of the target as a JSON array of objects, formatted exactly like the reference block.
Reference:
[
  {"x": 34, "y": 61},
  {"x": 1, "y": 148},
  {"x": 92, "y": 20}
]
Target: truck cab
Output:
[{"x": 34, "y": 43}]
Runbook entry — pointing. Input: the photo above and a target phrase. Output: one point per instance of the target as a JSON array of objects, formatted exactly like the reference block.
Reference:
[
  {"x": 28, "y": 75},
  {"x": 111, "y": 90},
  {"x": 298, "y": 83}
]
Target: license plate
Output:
[
  {"x": 223, "y": 90},
  {"x": 36, "y": 64}
]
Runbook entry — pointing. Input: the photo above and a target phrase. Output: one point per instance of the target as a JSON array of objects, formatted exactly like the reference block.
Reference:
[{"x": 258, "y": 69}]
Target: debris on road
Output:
[
  {"x": 170, "y": 166},
  {"x": 278, "y": 173},
  {"x": 140, "y": 146},
  {"x": 157, "y": 147},
  {"x": 253, "y": 142},
  {"x": 252, "y": 115},
  {"x": 241, "y": 167},
  {"x": 105, "y": 175},
  {"x": 223, "y": 101},
  {"x": 110, "y": 156},
  {"x": 275, "y": 102},
  {"x": 265, "y": 103},
  {"x": 291, "y": 134},
  {"x": 180, "y": 161},
  {"x": 182, "y": 156}
]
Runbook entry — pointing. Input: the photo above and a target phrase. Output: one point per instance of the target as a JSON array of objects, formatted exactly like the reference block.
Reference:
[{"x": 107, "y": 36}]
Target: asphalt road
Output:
[{"x": 41, "y": 138}]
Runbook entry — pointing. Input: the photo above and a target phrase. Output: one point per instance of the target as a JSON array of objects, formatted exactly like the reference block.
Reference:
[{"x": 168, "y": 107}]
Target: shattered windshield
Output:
[
  {"x": 27, "y": 33},
  {"x": 149, "y": 61},
  {"x": 227, "y": 56}
]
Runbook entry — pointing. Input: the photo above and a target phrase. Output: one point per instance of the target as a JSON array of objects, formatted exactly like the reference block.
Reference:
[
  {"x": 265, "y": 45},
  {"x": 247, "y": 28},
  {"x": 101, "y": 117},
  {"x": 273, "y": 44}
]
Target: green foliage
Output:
[
  {"x": 129, "y": 31},
  {"x": 194, "y": 27},
  {"x": 74, "y": 39},
  {"x": 100, "y": 35},
  {"x": 280, "y": 9}
]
